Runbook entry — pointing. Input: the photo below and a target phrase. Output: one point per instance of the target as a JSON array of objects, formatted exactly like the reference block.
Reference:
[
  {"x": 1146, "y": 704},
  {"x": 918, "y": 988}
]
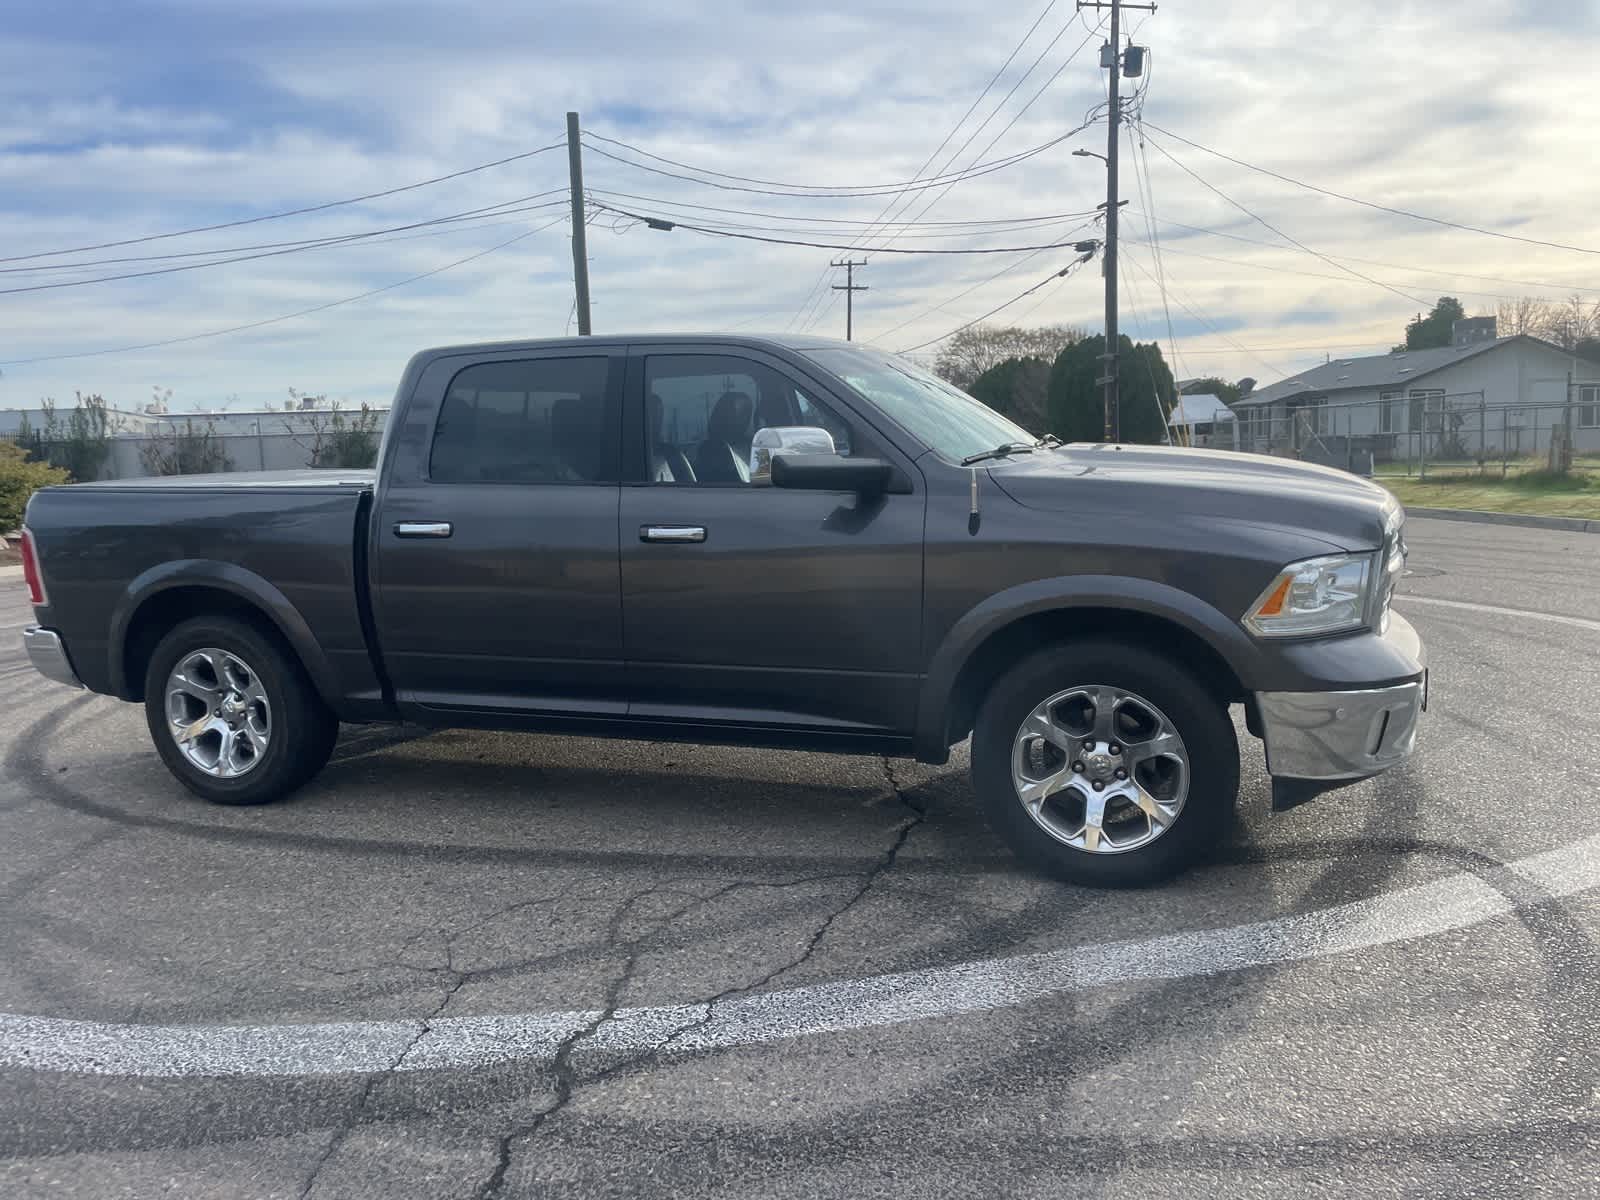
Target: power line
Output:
[
  {"x": 971, "y": 108},
  {"x": 813, "y": 297},
  {"x": 1017, "y": 117},
  {"x": 220, "y": 262},
  {"x": 751, "y": 237},
  {"x": 1061, "y": 274},
  {"x": 1005, "y": 270},
  {"x": 1301, "y": 245},
  {"x": 1004, "y": 100},
  {"x": 835, "y": 191},
  {"x": 806, "y": 218},
  {"x": 1255, "y": 266},
  {"x": 504, "y": 208},
  {"x": 923, "y": 212},
  {"x": 1178, "y": 296},
  {"x": 1399, "y": 212},
  {"x": 988, "y": 229},
  {"x": 304, "y": 312},
  {"x": 293, "y": 212},
  {"x": 1147, "y": 192},
  {"x": 1372, "y": 262}
]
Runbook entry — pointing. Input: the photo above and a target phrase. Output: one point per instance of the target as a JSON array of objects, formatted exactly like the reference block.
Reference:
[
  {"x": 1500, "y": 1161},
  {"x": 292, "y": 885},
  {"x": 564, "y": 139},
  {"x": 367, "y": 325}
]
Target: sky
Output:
[{"x": 126, "y": 120}]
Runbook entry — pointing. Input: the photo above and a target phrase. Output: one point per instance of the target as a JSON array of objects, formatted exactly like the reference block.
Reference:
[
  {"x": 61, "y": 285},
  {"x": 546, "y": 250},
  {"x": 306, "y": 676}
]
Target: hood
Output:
[{"x": 1320, "y": 502}]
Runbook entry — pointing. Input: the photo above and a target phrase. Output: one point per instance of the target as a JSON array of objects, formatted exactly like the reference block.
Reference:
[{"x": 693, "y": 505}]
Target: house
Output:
[
  {"x": 1482, "y": 396},
  {"x": 1204, "y": 419}
]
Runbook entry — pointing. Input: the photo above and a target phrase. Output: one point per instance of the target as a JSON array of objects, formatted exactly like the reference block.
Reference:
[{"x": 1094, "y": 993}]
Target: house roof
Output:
[
  {"x": 1378, "y": 370},
  {"x": 1199, "y": 408}
]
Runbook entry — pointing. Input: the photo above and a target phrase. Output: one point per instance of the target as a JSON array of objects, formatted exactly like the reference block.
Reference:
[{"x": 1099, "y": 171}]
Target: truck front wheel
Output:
[
  {"x": 232, "y": 713},
  {"x": 1104, "y": 763}
]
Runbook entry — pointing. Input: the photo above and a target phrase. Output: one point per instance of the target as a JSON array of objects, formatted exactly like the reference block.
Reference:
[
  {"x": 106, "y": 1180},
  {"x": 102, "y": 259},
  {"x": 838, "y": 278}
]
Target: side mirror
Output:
[
  {"x": 774, "y": 441},
  {"x": 832, "y": 473}
]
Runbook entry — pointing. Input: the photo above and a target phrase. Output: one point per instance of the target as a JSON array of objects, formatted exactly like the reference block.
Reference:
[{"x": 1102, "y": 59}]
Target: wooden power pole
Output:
[
  {"x": 1111, "y": 56},
  {"x": 850, "y": 287},
  {"x": 580, "y": 243}
]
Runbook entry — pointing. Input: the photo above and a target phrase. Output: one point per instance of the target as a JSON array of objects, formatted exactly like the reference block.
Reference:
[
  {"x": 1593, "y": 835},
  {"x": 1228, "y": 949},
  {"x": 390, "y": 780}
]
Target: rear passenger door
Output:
[{"x": 497, "y": 584}]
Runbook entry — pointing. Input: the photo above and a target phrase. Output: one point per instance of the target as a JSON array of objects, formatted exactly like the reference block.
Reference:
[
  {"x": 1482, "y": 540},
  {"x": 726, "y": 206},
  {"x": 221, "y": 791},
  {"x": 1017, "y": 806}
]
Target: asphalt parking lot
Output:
[{"x": 472, "y": 965}]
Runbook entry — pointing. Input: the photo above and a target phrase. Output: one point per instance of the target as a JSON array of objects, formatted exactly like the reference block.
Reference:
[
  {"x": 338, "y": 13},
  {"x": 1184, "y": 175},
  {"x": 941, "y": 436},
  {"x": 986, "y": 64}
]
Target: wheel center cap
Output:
[{"x": 1098, "y": 765}]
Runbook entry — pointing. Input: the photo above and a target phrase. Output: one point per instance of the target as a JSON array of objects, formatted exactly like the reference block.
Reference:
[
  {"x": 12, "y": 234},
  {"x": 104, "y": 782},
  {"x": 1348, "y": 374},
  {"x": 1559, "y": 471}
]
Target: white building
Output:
[
  {"x": 251, "y": 440},
  {"x": 1204, "y": 420},
  {"x": 1484, "y": 395}
]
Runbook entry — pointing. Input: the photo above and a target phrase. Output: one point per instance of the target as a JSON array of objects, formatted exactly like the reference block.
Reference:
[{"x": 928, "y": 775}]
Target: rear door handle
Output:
[
  {"x": 422, "y": 529},
  {"x": 672, "y": 533}
]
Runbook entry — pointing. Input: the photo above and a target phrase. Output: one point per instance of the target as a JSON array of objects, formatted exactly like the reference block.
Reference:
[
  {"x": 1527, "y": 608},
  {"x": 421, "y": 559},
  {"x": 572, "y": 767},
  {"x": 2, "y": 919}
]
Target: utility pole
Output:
[
  {"x": 580, "y": 242},
  {"x": 850, "y": 287},
  {"x": 1111, "y": 56}
]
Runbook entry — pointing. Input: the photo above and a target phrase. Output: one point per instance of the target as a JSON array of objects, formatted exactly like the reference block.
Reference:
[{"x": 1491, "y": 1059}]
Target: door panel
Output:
[
  {"x": 497, "y": 583},
  {"x": 791, "y": 607}
]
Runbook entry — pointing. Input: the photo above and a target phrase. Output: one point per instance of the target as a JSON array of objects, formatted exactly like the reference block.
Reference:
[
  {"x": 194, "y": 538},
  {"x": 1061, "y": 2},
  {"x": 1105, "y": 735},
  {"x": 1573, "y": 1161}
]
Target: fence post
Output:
[
  {"x": 1483, "y": 433},
  {"x": 1349, "y": 439},
  {"x": 1422, "y": 443},
  {"x": 1505, "y": 440}
]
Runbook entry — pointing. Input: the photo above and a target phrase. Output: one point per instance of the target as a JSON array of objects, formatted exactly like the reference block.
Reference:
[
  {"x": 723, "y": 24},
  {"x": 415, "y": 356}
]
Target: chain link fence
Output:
[{"x": 1429, "y": 433}]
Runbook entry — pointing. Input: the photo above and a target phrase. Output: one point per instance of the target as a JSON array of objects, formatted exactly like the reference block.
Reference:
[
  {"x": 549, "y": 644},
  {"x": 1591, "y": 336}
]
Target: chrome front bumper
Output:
[
  {"x": 49, "y": 656},
  {"x": 1340, "y": 736}
]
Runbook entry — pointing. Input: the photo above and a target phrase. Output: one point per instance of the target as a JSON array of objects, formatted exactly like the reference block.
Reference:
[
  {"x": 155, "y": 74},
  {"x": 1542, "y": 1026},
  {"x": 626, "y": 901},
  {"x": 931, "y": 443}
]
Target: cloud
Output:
[{"x": 118, "y": 121}]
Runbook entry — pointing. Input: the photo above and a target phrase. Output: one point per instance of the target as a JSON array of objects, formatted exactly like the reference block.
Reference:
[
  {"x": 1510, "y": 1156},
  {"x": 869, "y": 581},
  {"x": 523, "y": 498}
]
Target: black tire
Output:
[
  {"x": 1201, "y": 719},
  {"x": 303, "y": 728}
]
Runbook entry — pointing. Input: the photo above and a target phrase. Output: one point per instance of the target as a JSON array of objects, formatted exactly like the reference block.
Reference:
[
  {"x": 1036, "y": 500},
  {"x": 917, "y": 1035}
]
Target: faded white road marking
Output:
[
  {"x": 1451, "y": 903},
  {"x": 1405, "y": 600}
]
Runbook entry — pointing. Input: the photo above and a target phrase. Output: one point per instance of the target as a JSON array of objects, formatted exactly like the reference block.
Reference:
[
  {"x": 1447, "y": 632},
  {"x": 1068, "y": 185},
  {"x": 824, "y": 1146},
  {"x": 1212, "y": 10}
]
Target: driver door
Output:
[{"x": 753, "y": 605}]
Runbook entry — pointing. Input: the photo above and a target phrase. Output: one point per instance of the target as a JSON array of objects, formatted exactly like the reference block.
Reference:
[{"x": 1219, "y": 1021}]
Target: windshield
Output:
[{"x": 953, "y": 423}]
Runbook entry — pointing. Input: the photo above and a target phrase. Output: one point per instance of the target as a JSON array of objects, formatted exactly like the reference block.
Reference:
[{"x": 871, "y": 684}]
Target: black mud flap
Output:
[{"x": 1291, "y": 793}]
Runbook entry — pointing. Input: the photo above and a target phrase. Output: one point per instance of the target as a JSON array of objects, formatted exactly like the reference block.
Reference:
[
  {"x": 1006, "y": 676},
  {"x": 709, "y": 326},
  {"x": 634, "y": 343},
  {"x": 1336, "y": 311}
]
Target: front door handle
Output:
[
  {"x": 422, "y": 529},
  {"x": 672, "y": 533}
]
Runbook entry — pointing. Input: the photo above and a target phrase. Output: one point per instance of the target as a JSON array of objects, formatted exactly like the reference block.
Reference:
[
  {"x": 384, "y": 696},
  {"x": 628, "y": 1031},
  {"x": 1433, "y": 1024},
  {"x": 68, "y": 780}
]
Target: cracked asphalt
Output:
[{"x": 427, "y": 882}]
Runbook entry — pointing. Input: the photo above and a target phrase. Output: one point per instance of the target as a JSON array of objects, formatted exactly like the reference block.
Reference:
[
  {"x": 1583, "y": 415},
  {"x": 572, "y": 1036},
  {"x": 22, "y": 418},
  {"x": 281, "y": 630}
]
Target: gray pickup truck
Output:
[{"x": 789, "y": 542}]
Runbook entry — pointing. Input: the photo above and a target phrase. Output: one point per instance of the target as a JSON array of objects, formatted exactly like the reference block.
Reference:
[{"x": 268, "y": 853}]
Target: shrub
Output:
[
  {"x": 186, "y": 449},
  {"x": 20, "y": 477},
  {"x": 79, "y": 442}
]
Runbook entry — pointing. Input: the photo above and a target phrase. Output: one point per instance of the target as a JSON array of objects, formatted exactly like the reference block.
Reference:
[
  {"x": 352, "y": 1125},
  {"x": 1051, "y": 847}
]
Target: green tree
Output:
[
  {"x": 1020, "y": 389},
  {"x": 1435, "y": 330},
  {"x": 21, "y": 477},
  {"x": 1211, "y": 385},
  {"x": 1077, "y": 401},
  {"x": 969, "y": 353}
]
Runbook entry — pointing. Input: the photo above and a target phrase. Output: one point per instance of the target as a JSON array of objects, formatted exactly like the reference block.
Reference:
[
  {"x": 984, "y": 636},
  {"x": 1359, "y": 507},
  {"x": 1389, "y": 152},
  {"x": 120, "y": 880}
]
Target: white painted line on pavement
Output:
[
  {"x": 1405, "y": 599},
  {"x": 153, "y": 1051}
]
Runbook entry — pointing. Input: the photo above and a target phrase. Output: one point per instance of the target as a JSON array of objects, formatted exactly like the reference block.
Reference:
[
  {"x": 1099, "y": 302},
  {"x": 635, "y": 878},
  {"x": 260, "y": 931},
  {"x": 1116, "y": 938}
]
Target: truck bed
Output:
[{"x": 293, "y": 542}]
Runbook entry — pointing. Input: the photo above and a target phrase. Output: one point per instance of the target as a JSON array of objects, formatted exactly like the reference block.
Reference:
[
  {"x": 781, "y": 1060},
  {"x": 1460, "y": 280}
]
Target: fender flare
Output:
[
  {"x": 996, "y": 612},
  {"x": 224, "y": 577}
]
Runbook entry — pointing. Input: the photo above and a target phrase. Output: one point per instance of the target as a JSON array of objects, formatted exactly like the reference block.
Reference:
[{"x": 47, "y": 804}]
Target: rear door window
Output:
[{"x": 547, "y": 420}]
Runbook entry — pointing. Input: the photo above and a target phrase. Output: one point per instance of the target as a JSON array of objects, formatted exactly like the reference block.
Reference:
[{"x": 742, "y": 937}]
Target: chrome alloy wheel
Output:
[
  {"x": 217, "y": 712},
  {"x": 1100, "y": 769}
]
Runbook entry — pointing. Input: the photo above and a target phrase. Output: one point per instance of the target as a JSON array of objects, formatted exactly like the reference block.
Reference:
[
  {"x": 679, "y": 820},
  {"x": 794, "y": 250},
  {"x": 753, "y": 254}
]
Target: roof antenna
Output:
[{"x": 974, "y": 518}]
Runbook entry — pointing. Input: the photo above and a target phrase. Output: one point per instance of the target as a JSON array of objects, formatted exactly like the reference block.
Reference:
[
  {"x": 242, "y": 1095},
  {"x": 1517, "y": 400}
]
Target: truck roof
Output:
[{"x": 784, "y": 341}]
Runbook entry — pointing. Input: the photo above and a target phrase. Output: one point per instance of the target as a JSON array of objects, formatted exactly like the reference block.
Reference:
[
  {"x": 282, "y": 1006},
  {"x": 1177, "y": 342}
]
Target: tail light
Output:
[{"x": 31, "y": 574}]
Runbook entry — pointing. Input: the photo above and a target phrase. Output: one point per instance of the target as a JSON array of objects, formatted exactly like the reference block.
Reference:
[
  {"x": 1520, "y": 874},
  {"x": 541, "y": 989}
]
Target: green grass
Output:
[{"x": 1529, "y": 491}]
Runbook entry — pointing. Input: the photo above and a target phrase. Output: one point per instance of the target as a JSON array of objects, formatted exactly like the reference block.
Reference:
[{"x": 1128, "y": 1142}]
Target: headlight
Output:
[{"x": 1316, "y": 596}]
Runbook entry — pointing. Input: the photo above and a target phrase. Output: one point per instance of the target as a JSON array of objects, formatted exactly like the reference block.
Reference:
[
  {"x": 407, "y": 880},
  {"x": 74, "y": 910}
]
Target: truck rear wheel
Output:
[
  {"x": 1104, "y": 763},
  {"x": 232, "y": 713}
]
